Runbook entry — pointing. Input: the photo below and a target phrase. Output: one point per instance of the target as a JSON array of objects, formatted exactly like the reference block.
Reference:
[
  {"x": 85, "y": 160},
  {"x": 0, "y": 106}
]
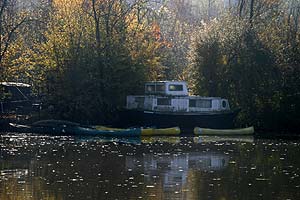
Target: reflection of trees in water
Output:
[
  {"x": 186, "y": 169},
  {"x": 20, "y": 184},
  {"x": 64, "y": 170},
  {"x": 13, "y": 173}
]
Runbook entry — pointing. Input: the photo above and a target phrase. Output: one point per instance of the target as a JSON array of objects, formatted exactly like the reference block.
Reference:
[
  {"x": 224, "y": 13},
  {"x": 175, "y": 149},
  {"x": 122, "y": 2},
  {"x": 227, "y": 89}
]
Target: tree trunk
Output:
[
  {"x": 251, "y": 13},
  {"x": 241, "y": 7}
]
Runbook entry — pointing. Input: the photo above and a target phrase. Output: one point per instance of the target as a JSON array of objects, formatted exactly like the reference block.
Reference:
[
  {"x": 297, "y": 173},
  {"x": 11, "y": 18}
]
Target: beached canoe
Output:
[
  {"x": 58, "y": 127},
  {"x": 160, "y": 131},
  {"x": 207, "y": 131},
  {"x": 147, "y": 131},
  {"x": 106, "y": 128},
  {"x": 132, "y": 132}
]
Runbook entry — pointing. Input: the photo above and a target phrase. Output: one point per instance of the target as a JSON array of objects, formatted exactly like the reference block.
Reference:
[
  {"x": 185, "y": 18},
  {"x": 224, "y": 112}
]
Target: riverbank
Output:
[{"x": 29, "y": 119}]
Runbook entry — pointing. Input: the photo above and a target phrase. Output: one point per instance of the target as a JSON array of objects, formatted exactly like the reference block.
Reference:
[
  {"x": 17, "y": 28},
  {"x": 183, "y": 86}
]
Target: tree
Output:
[
  {"x": 90, "y": 59},
  {"x": 233, "y": 62},
  {"x": 252, "y": 59},
  {"x": 11, "y": 19}
]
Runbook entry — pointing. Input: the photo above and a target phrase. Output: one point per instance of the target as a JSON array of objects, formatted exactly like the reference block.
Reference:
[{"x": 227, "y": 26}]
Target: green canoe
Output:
[{"x": 207, "y": 131}]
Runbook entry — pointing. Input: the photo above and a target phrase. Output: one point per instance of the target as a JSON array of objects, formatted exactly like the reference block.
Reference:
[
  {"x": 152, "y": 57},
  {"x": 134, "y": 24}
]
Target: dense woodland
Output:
[{"x": 84, "y": 56}]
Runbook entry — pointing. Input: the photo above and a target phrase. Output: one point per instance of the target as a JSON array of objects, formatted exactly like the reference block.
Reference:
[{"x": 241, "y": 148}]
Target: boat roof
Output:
[
  {"x": 203, "y": 97},
  {"x": 14, "y": 84},
  {"x": 149, "y": 82}
]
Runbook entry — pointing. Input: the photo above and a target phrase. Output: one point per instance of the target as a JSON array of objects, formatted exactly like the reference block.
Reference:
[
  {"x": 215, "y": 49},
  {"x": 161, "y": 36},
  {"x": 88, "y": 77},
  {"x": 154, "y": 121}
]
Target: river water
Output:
[{"x": 221, "y": 168}]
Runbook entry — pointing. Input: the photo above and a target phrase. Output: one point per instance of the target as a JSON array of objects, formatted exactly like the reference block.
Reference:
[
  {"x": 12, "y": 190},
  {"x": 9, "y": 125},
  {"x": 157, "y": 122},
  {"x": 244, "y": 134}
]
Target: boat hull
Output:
[
  {"x": 173, "y": 131},
  {"x": 186, "y": 121},
  {"x": 74, "y": 131},
  {"x": 146, "y": 131},
  {"x": 240, "y": 131}
]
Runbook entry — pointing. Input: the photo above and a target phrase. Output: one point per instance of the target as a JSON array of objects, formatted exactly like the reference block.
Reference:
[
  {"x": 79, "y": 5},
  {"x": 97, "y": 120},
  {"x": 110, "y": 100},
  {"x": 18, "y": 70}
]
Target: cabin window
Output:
[
  {"x": 160, "y": 88},
  {"x": 175, "y": 87},
  {"x": 155, "y": 88},
  {"x": 163, "y": 102},
  {"x": 224, "y": 104},
  {"x": 139, "y": 101},
  {"x": 150, "y": 88},
  {"x": 200, "y": 103}
]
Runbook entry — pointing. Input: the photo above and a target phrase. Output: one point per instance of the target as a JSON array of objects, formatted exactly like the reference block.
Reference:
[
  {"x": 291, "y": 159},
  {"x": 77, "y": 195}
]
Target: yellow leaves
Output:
[
  {"x": 270, "y": 2},
  {"x": 145, "y": 42},
  {"x": 67, "y": 7},
  {"x": 70, "y": 26},
  {"x": 68, "y": 16},
  {"x": 156, "y": 31},
  {"x": 224, "y": 60},
  {"x": 156, "y": 69}
]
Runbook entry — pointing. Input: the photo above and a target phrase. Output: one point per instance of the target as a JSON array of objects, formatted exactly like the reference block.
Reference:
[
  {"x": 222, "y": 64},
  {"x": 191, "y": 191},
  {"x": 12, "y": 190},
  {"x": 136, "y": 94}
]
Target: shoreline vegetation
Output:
[{"x": 83, "y": 57}]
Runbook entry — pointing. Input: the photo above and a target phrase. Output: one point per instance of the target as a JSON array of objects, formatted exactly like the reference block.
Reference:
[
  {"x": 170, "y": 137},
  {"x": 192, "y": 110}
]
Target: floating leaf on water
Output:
[
  {"x": 21, "y": 182},
  {"x": 262, "y": 179},
  {"x": 150, "y": 186}
]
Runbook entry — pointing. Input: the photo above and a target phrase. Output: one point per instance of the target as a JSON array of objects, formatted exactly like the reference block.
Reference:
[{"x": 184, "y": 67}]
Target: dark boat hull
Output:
[
  {"x": 56, "y": 127},
  {"x": 186, "y": 121}
]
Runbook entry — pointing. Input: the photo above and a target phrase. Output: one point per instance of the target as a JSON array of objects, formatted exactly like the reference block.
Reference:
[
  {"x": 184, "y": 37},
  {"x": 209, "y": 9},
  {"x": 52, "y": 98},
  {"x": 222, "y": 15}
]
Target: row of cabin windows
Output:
[
  {"x": 193, "y": 103},
  {"x": 203, "y": 103},
  {"x": 163, "y": 102},
  {"x": 161, "y": 88},
  {"x": 155, "y": 88}
]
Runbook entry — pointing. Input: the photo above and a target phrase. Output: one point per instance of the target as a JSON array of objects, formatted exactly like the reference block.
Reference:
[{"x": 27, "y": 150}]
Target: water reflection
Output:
[
  {"x": 174, "y": 169},
  {"x": 13, "y": 173},
  {"x": 44, "y": 167},
  {"x": 168, "y": 139}
]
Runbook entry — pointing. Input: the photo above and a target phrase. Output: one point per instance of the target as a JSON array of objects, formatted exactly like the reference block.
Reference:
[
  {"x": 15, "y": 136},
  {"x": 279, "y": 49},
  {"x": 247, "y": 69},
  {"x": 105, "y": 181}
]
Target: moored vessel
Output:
[{"x": 168, "y": 104}]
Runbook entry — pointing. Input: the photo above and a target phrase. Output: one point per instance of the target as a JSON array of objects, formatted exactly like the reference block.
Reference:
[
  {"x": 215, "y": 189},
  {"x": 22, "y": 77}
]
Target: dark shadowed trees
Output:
[{"x": 248, "y": 61}]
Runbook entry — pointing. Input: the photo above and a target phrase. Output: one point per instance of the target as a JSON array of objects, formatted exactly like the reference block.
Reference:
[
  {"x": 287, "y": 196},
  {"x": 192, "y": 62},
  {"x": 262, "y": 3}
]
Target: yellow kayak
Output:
[
  {"x": 207, "y": 131},
  {"x": 105, "y": 128},
  {"x": 146, "y": 131},
  {"x": 160, "y": 131}
]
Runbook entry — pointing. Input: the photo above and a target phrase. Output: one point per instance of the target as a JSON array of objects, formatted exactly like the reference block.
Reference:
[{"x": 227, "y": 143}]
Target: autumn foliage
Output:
[{"x": 84, "y": 56}]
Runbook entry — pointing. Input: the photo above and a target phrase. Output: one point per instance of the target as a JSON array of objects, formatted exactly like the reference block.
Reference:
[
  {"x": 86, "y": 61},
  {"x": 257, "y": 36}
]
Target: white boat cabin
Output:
[{"x": 173, "y": 96}]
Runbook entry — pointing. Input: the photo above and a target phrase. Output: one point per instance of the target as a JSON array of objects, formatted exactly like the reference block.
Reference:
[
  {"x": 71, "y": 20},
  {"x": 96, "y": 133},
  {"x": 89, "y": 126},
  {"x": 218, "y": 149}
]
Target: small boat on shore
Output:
[
  {"x": 161, "y": 131},
  {"x": 58, "y": 127},
  {"x": 207, "y": 131},
  {"x": 173, "y": 131}
]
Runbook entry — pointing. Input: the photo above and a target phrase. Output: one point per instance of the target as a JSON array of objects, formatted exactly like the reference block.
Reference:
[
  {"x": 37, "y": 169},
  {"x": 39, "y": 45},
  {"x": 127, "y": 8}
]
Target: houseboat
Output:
[
  {"x": 14, "y": 96},
  {"x": 168, "y": 104},
  {"x": 17, "y": 103}
]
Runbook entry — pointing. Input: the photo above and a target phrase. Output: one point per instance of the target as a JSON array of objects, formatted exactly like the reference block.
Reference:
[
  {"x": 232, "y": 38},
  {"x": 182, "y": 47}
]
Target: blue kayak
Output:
[
  {"x": 132, "y": 132},
  {"x": 58, "y": 127}
]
